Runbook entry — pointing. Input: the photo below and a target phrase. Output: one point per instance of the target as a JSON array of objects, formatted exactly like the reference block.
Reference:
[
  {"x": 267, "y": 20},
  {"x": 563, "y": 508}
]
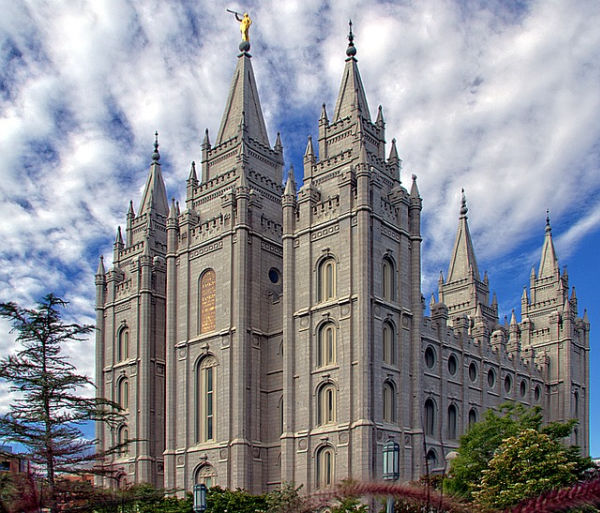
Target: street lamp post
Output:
[
  {"x": 391, "y": 467},
  {"x": 199, "y": 497}
]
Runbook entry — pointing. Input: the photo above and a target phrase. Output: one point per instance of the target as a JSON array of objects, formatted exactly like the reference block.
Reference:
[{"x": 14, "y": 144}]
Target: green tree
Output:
[
  {"x": 286, "y": 499},
  {"x": 219, "y": 500},
  {"x": 525, "y": 466},
  {"x": 480, "y": 443},
  {"x": 46, "y": 415}
]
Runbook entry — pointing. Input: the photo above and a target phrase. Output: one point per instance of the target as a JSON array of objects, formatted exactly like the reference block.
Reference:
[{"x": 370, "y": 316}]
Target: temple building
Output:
[{"x": 265, "y": 333}]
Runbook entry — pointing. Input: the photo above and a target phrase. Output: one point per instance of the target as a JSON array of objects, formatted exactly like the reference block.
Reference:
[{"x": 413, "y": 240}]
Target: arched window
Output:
[
  {"x": 123, "y": 438},
  {"x": 205, "y": 475},
  {"x": 325, "y": 467},
  {"x": 205, "y": 394},
  {"x": 429, "y": 417},
  {"x": 472, "y": 416},
  {"x": 123, "y": 344},
  {"x": 432, "y": 459},
  {"x": 123, "y": 393},
  {"x": 387, "y": 279},
  {"x": 326, "y": 343},
  {"x": 389, "y": 402},
  {"x": 207, "y": 294},
  {"x": 326, "y": 405},
  {"x": 452, "y": 422},
  {"x": 326, "y": 285},
  {"x": 389, "y": 355}
]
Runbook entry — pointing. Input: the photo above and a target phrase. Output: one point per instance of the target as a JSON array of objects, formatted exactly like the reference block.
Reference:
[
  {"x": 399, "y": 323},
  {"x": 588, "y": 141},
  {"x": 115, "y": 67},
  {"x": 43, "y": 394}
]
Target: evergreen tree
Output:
[{"x": 47, "y": 412}]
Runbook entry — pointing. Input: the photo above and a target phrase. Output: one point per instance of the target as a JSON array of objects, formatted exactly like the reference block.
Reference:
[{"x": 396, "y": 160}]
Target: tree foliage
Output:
[
  {"x": 524, "y": 466},
  {"x": 46, "y": 415},
  {"x": 480, "y": 444}
]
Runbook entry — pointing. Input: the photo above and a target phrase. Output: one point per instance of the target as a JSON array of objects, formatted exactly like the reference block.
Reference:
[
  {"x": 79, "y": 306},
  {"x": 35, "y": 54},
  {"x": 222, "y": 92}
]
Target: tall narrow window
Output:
[
  {"x": 207, "y": 301},
  {"x": 389, "y": 355},
  {"x": 387, "y": 273},
  {"x": 326, "y": 405},
  {"x": 576, "y": 404},
  {"x": 452, "y": 420},
  {"x": 122, "y": 439},
  {"x": 325, "y": 467},
  {"x": 205, "y": 392},
  {"x": 472, "y": 416},
  {"x": 326, "y": 343},
  {"x": 123, "y": 344},
  {"x": 123, "y": 393},
  {"x": 326, "y": 280},
  {"x": 389, "y": 410},
  {"x": 429, "y": 417}
]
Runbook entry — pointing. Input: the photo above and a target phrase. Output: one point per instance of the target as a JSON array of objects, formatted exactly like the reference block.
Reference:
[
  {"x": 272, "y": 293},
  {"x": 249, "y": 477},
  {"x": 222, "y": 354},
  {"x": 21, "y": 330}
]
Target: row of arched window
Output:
[
  {"x": 327, "y": 277},
  {"x": 327, "y": 344},
  {"x": 324, "y": 469},
  {"x": 430, "y": 419}
]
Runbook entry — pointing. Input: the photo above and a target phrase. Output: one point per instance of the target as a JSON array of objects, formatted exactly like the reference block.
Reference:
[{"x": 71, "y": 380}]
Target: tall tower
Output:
[
  {"x": 551, "y": 328},
  {"x": 224, "y": 262},
  {"x": 130, "y": 306},
  {"x": 352, "y": 296},
  {"x": 463, "y": 291}
]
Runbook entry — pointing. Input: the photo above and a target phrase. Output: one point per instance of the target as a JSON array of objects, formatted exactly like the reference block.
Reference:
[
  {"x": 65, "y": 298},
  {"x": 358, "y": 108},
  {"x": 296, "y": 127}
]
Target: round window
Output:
[
  {"x": 473, "y": 371},
  {"x": 429, "y": 357},
  {"x": 537, "y": 393},
  {"x": 507, "y": 383},
  {"x": 452, "y": 365},
  {"x": 274, "y": 275},
  {"x": 523, "y": 388},
  {"x": 491, "y": 378}
]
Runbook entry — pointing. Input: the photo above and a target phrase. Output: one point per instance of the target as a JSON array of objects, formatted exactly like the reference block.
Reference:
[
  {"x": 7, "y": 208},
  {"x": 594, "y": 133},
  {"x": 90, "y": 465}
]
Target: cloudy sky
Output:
[{"x": 501, "y": 97}]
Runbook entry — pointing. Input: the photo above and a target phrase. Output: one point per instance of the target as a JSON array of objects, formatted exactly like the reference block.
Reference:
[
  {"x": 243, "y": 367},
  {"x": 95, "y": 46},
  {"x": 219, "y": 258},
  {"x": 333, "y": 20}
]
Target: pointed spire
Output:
[
  {"x": 414, "y": 189},
  {"x": 119, "y": 237},
  {"x": 441, "y": 278},
  {"x": 463, "y": 262},
  {"x": 131, "y": 212},
  {"x": 532, "y": 273},
  {"x": 351, "y": 97},
  {"x": 380, "y": 122},
  {"x": 393, "y": 152},
  {"x": 278, "y": 146},
  {"x": 432, "y": 300},
  {"x": 206, "y": 141},
  {"x": 524, "y": 298},
  {"x": 513, "y": 318},
  {"x": 172, "y": 210},
  {"x": 486, "y": 280},
  {"x": 548, "y": 260},
  {"x": 290, "y": 185},
  {"x": 155, "y": 194},
  {"x": 323, "y": 119},
  {"x": 586, "y": 318},
  {"x": 243, "y": 106},
  {"x": 310, "y": 152},
  {"x": 101, "y": 271},
  {"x": 193, "y": 176},
  {"x": 573, "y": 295},
  {"x": 494, "y": 300}
]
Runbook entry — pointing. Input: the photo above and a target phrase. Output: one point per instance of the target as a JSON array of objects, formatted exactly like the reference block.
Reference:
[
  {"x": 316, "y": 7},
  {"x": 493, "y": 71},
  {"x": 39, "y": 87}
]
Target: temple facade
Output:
[{"x": 265, "y": 333}]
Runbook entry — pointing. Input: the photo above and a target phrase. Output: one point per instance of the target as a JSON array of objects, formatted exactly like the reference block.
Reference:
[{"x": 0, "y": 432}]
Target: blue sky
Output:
[{"x": 501, "y": 98}]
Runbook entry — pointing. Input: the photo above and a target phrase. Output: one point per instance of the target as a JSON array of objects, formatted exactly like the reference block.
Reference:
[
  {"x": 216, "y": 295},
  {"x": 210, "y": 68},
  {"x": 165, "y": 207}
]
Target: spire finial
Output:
[
  {"x": 156, "y": 155},
  {"x": 548, "y": 220},
  {"x": 351, "y": 50},
  {"x": 463, "y": 204}
]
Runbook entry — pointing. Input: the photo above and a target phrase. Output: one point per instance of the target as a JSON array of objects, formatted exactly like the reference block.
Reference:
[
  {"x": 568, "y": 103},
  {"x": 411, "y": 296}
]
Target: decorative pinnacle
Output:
[
  {"x": 351, "y": 50},
  {"x": 463, "y": 204},
  {"x": 548, "y": 220},
  {"x": 156, "y": 155}
]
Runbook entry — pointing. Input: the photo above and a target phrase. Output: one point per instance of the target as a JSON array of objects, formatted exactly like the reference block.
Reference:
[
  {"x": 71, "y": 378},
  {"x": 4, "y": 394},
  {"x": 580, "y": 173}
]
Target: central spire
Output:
[
  {"x": 463, "y": 262},
  {"x": 352, "y": 95},
  {"x": 243, "y": 110}
]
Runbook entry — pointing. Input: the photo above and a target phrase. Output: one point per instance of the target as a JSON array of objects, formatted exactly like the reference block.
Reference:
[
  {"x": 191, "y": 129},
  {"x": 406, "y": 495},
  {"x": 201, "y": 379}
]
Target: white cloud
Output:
[{"x": 503, "y": 102}]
